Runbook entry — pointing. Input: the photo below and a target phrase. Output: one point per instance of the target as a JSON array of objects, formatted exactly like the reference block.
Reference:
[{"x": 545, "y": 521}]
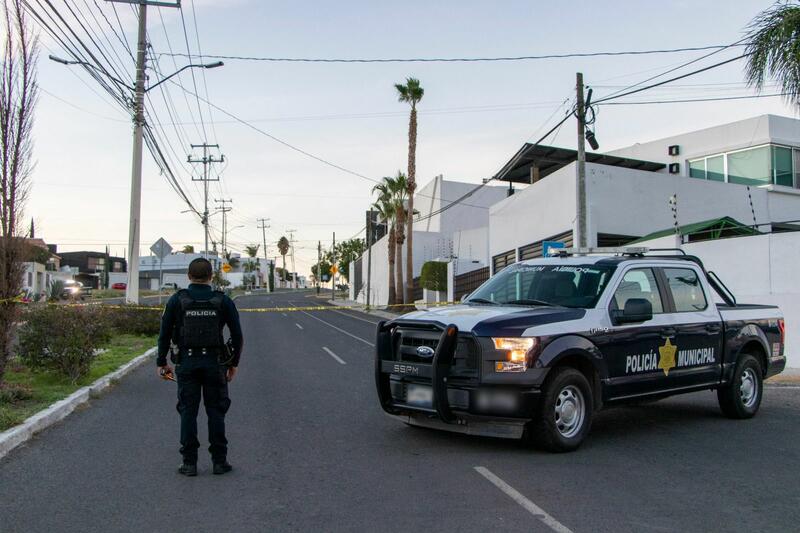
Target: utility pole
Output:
[
  {"x": 291, "y": 252},
  {"x": 263, "y": 228},
  {"x": 206, "y": 160},
  {"x": 370, "y": 214},
  {"x": 319, "y": 265},
  {"x": 581, "y": 229},
  {"x": 333, "y": 274},
  {"x": 224, "y": 210},
  {"x": 132, "y": 288}
]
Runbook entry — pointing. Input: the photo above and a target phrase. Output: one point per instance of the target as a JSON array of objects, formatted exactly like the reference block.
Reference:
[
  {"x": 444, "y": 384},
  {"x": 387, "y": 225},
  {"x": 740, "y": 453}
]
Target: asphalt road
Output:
[{"x": 312, "y": 451}]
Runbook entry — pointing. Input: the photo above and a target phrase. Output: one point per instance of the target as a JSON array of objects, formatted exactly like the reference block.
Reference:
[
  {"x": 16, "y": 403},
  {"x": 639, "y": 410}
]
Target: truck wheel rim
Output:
[
  {"x": 748, "y": 388},
  {"x": 570, "y": 411}
]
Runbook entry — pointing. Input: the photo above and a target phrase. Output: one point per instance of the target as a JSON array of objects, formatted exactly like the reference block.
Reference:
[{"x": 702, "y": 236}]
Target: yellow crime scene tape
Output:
[{"x": 290, "y": 309}]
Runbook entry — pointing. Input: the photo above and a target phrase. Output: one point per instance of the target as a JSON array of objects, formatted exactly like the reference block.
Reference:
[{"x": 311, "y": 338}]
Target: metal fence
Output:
[{"x": 469, "y": 281}]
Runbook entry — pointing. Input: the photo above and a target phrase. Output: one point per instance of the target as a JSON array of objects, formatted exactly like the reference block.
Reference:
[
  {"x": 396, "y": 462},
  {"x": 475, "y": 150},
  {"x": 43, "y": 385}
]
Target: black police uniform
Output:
[{"x": 194, "y": 319}]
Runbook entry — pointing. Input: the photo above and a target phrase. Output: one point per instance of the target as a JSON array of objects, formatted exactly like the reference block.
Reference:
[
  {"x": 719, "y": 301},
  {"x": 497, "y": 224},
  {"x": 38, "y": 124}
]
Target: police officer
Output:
[{"x": 193, "y": 323}]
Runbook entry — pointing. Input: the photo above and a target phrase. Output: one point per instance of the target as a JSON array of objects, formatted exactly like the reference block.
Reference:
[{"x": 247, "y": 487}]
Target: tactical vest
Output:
[{"x": 201, "y": 321}]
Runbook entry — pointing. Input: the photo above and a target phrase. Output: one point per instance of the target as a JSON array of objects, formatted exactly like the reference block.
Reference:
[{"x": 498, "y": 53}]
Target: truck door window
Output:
[
  {"x": 638, "y": 283},
  {"x": 686, "y": 289}
]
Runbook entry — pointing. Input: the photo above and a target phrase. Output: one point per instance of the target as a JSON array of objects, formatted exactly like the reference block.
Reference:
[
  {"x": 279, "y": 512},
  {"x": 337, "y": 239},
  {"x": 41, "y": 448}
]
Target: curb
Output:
[
  {"x": 11, "y": 438},
  {"x": 375, "y": 312}
]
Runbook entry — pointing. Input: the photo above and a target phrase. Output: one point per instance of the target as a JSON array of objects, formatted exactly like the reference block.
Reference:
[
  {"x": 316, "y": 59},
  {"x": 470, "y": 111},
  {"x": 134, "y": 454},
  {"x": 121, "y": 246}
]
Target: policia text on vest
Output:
[{"x": 192, "y": 333}]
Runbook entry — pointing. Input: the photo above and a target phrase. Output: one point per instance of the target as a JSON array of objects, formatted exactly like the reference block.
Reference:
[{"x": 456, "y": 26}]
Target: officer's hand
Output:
[
  {"x": 230, "y": 373},
  {"x": 164, "y": 370}
]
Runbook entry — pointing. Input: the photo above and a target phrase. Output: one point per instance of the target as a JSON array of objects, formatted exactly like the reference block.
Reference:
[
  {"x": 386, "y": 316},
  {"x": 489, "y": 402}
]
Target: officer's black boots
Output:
[
  {"x": 187, "y": 470},
  {"x": 222, "y": 468}
]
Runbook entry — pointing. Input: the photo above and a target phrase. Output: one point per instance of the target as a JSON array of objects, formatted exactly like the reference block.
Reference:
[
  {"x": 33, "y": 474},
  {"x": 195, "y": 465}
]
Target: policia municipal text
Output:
[{"x": 191, "y": 330}]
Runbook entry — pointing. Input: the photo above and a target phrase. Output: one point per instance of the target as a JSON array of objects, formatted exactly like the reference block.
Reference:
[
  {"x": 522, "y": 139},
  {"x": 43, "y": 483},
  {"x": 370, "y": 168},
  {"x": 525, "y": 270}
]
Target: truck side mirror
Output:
[{"x": 636, "y": 310}]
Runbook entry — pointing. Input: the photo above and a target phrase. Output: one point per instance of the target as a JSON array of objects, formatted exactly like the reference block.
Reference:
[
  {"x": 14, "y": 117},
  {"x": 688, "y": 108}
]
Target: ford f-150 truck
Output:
[{"x": 545, "y": 343}]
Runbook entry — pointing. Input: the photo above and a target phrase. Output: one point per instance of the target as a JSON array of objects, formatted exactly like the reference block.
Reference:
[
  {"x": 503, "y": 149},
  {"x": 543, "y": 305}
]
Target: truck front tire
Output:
[
  {"x": 564, "y": 416},
  {"x": 742, "y": 396}
]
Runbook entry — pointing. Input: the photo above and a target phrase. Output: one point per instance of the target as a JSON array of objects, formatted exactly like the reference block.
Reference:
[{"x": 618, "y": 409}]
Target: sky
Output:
[{"x": 472, "y": 119}]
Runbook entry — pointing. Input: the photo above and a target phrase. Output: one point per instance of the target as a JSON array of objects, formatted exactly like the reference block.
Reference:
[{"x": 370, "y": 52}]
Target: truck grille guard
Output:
[{"x": 440, "y": 368}]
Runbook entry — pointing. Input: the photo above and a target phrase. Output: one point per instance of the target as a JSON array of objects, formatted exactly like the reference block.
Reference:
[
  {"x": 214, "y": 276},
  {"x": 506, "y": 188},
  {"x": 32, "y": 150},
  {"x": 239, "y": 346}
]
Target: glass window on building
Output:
[
  {"x": 782, "y": 166},
  {"x": 715, "y": 168},
  {"x": 750, "y": 167},
  {"x": 697, "y": 169}
]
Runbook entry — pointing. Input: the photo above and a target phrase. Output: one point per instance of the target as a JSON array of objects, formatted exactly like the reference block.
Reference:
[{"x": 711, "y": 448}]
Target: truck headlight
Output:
[{"x": 518, "y": 350}]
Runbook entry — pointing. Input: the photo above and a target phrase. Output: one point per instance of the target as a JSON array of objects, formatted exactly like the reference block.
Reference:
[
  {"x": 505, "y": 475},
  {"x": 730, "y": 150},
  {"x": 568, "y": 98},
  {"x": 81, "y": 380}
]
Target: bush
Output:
[
  {"x": 55, "y": 290},
  {"x": 63, "y": 339},
  {"x": 13, "y": 393},
  {"x": 434, "y": 276},
  {"x": 134, "y": 319}
]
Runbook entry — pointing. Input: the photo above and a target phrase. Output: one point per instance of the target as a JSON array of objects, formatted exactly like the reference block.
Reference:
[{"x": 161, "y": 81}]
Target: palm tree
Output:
[
  {"x": 772, "y": 49},
  {"x": 399, "y": 188},
  {"x": 283, "y": 248},
  {"x": 188, "y": 249},
  {"x": 252, "y": 250},
  {"x": 411, "y": 92},
  {"x": 385, "y": 207}
]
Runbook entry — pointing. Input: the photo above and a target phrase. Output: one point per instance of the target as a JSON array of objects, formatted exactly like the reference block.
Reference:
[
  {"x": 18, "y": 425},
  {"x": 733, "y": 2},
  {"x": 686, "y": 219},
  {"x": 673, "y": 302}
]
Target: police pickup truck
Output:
[{"x": 545, "y": 343}]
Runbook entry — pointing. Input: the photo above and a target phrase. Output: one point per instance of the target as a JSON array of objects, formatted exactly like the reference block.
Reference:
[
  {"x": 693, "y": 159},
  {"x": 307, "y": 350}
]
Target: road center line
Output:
[
  {"x": 338, "y": 328},
  {"x": 355, "y": 317},
  {"x": 298, "y": 326},
  {"x": 339, "y": 359},
  {"x": 528, "y": 505}
]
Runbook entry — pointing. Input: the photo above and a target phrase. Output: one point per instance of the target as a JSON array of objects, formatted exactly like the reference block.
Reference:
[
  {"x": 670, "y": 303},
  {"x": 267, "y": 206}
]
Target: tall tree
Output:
[
  {"x": 347, "y": 252},
  {"x": 773, "y": 49},
  {"x": 385, "y": 207},
  {"x": 411, "y": 92},
  {"x": 252, "y": 250},
  {"x": 399, "y": 187},
  {"x": 283, "y": 248},
  {"x": 18, "y": 96}
]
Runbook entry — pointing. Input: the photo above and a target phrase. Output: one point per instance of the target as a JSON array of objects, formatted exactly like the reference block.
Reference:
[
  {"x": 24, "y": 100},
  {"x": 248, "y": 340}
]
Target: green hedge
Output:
[{"x": 434, "y": 276}]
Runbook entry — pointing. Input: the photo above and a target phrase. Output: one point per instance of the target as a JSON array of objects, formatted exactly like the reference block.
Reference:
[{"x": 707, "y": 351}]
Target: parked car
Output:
[
  {"x": 545, "y": 343},
  {"x": 169, "y": 287},
  {"x": 120, "y": 286},
  {"x": 75, "y": 290}
]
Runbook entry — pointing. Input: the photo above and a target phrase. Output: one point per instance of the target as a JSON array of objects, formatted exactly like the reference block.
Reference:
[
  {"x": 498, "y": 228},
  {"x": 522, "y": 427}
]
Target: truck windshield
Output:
[{"x": 557, "y": 285}]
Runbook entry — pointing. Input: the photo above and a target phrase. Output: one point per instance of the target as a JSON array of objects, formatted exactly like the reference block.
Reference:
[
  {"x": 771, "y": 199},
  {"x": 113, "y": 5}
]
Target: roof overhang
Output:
[{"x": 533, "y": 162}]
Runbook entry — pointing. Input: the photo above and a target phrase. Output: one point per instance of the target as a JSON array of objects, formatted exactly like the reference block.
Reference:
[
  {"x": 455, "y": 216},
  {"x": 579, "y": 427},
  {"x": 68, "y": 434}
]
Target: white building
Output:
[
  {"x": 746, "y": 170},
  {"x": 441, "y": 233}
]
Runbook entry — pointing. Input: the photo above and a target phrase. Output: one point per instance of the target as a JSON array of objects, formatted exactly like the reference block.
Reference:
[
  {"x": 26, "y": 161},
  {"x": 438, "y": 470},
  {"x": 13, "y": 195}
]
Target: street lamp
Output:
[
  {"x": 139, "y": 90},
  {"x": 63, "y": 61}
]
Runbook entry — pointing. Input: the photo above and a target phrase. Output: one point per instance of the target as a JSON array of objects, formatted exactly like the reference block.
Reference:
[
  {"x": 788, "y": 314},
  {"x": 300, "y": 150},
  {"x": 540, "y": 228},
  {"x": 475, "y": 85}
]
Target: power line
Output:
[
  {"x": 463, "y": 59},
  {"x": 687, "y": 100},
  {"x": 676, "y": 78}
]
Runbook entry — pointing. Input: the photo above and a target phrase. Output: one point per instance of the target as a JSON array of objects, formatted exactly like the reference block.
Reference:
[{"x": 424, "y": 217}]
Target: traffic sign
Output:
[
  {"x": 226, "y": 268},
  {"x": 334, "y": 269},
  {"x": 161, "y": 248}
]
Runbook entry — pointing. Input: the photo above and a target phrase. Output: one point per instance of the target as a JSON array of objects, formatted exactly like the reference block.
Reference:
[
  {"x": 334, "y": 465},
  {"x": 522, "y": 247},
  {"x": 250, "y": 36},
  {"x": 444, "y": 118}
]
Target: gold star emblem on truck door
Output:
[{"x": 666, "y": 357}]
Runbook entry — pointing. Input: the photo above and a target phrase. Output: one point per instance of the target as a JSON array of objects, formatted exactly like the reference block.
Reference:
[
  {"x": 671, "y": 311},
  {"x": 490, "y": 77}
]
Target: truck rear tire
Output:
[
  {"x": 564, "y": 415},
  {"x": 742, "y": 396}
]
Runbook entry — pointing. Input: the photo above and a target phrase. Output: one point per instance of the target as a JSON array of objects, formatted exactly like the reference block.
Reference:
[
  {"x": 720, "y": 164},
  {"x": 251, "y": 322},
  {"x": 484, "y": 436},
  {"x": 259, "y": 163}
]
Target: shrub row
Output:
[{"x": 66, "y": 339}]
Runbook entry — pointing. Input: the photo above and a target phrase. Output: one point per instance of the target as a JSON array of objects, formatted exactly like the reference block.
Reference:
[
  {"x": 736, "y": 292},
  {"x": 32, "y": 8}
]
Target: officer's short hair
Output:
[{"x": 201, "y": 269}]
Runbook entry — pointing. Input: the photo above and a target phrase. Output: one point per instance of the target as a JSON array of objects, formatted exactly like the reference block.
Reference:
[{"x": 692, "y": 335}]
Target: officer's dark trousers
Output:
[{"x": 196, "y": 375}]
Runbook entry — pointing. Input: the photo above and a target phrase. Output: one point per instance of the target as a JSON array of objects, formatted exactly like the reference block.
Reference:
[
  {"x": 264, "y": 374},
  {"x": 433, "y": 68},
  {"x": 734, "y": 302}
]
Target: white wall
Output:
[
  {"x": 539, "y": 211},
  {"x": 760, "y": 269},
  {"x": 428, "y": 246},
  {"x": 471, "y": 247},
  {"x": 472, "y": 212},
  {"x": 629, "y": 202},
  {"x": 634, "y": 202}
]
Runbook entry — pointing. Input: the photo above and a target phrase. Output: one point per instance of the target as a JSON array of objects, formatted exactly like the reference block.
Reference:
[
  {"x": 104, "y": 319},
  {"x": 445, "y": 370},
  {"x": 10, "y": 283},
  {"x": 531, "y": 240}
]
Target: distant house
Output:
[
  {"x": 92, "y": 268},
  {"x": 40, "y": 265}
]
